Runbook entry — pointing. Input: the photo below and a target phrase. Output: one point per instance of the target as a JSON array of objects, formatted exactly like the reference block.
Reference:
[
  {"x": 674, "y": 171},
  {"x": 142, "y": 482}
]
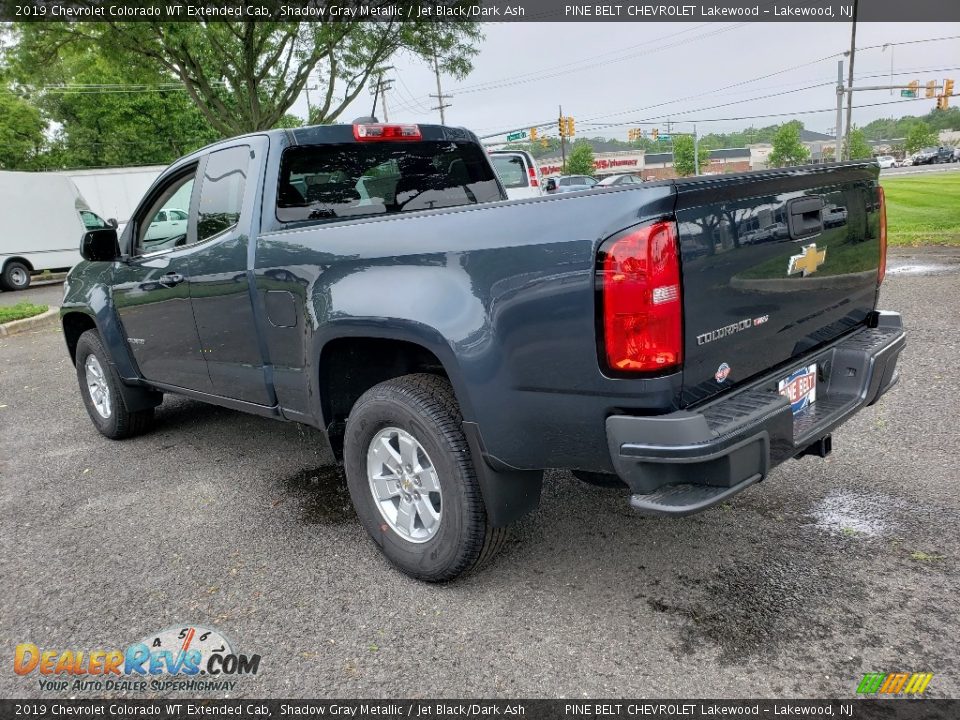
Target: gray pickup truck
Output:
[{"x": 372, "y": 281}]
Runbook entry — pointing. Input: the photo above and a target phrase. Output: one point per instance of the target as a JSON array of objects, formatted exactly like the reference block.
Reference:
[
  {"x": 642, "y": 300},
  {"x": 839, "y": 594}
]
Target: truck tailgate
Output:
[{"x": 775, "y": 264}]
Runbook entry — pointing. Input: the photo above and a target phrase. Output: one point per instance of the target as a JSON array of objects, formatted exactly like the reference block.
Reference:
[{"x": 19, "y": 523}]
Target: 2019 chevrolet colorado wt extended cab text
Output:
[{"x": 373, "y": 281}]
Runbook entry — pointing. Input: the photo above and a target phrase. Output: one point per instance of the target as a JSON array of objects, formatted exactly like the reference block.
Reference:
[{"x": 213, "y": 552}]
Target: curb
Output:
[{"x": 17, "y": 326}]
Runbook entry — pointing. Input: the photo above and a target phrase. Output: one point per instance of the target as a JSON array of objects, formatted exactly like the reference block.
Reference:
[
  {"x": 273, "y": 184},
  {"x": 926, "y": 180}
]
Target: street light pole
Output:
[
  {"x": 696, "y": 151},
  {"x": 838, "y": 130},
  {"x": 884, "y": 49},
  {"x": 853, "y": 50}
]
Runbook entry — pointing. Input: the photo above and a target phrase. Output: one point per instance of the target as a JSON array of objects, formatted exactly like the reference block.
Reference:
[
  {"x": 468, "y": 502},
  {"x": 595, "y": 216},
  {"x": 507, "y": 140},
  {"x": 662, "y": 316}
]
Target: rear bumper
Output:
[{"x": 690, "y": 460}]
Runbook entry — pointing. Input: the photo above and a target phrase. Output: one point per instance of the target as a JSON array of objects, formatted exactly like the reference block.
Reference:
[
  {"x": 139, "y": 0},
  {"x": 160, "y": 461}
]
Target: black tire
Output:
[
  {"x": 120, "y": 423},
  {"x": 597, "y": 479},
  {"x": 425, "y": 407},
  {"x": 15, "y": 276}
]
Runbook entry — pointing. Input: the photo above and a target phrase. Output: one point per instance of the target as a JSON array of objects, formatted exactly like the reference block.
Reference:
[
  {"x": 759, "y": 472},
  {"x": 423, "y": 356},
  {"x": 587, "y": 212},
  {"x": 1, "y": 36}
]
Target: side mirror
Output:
[
  {"x": 100, "y": 245},
  {"x": 112, "y": 222},
  {"x": 551, "y": 185}
]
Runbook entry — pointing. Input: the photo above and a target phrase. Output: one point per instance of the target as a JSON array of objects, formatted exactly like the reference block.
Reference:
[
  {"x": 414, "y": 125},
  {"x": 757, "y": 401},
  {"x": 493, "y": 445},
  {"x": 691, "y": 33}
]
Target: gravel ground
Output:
[{"x": 825, "y": 571}]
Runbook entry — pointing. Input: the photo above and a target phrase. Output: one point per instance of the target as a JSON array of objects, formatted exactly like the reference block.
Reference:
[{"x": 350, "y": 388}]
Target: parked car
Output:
[
  {"x": 619, "y": 180},
  {"x": 450, "y": 345},
  {"x": 886, "y": 161},
  {"x": 834, "y": 215},
  {"x": 933, "y": 156},
  {"x": 43, "y": 214},
  {"x": 166, "y": 224},
  {"x": 906, "y": 162},
  {"x": 518, "y": 171},
  {"x": 570, "y": 183}
]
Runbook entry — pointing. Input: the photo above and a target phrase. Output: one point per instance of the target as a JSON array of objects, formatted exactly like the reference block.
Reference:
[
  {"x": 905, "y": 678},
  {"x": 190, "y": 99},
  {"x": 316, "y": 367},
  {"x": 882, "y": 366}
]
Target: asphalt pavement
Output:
[
  {"x": 48, "y": 292},
  {"x": 825, "y": 571}
]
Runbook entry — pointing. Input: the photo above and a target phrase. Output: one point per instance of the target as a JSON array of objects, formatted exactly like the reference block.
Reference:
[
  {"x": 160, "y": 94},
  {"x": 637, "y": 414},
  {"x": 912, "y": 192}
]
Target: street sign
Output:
[
  {"x": 908, "y": 93},
  {"x": 519, "y": 135},
  {"x": 664, "y": 137}
]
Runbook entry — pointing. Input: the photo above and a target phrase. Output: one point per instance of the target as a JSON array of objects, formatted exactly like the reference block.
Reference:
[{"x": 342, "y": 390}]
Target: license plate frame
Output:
[{"x": 800, "y": 388}]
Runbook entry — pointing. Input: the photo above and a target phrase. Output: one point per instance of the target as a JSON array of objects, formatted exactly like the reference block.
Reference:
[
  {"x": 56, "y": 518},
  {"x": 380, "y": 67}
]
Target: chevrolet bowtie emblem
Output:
[{"x": 807, "y": 261}]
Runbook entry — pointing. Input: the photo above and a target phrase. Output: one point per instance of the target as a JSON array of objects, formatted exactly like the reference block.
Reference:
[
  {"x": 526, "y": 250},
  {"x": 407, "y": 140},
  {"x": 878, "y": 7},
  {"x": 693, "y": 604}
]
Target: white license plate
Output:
[{"x": 800, "y": 387}]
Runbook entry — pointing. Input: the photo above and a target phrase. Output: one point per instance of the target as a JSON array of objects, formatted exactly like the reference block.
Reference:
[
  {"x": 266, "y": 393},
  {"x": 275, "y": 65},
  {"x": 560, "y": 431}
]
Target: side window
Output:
[
  {"x": 92, "y": 221},
  {"x": 221, "y": 195},
  {"x": 164, "y": 225}
]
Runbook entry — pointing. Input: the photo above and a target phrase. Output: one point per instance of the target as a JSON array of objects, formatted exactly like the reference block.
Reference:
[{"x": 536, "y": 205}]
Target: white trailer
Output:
[
  {"x": 114, "y": 192},
  {"x": 43, "y": 218}
]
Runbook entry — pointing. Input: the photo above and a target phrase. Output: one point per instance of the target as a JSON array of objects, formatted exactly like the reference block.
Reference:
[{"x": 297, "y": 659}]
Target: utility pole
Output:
[
  {"x": 379, "y": 92},
  {"x": 696, "y": 151},
  {"x": 838, "y": 130},
  {"x": 563, "y": 142},
  {"x": 441, "y": 106},
  {"x": 384, "y": 86},
  {"x": 853, "y": 50},
  {"x": 376, "y": 96}
]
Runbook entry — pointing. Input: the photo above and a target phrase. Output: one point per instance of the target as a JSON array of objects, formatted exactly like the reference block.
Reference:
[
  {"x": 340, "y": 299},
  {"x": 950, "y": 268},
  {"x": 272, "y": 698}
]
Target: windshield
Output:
[
  {"x": 511, "y": 169},
  {"x": 330, "y": 182}
]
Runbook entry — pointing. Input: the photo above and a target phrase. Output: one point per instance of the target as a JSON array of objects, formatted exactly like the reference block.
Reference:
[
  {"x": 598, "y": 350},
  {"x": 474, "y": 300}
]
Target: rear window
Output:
[
  {"x": 333, "y": 182},
  {"x": 511, "y": 169}
]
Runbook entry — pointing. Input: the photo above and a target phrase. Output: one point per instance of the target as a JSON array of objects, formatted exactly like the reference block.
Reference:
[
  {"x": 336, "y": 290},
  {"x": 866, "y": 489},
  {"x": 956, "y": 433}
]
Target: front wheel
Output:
[
  {"x": 412, "y": 481},
  {"x": 100, "y": 388}
]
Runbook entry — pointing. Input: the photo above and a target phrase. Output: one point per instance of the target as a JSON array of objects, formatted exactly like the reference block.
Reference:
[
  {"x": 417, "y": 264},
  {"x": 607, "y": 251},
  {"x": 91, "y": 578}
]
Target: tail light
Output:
[
  {"x": 370, "y": 132},
  {"x": 533, "y": 177},
  {"x": 640, "y": 301},
  {"x": 883, "y": 236}
]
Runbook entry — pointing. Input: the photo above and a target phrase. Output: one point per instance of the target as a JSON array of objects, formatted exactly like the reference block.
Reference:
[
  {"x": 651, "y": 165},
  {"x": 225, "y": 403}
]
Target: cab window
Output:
[
  {"x": 221, "y": 194},
  {"x": 511, "y": 169},
  {"x": 165, "y": 226},
  {"x": 336, "y": 181}
]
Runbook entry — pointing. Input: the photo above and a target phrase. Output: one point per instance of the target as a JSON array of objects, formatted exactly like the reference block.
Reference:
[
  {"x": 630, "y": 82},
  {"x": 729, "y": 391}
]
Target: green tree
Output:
[
  {"x": 683, "y": 160},
  {"x": 22, "y": 139},
  {"x": 244, "y": 76},
  {"x": 787, "y": 148},
  {"x": 859, "y": 147},
  {"x": 580, "y": 159},
  {"x": 919, "y": 136}
]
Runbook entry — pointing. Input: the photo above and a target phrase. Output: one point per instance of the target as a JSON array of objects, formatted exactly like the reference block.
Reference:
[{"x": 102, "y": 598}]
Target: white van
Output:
[
  {"x": 43, "y": 217},
  {"x": 518, "y": 172}
]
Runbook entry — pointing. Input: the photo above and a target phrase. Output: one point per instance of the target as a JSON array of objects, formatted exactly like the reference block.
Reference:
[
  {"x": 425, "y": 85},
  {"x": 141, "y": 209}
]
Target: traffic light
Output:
[
  {"x": 947, "y": 87},
  {"x": 544, "y": 143},
  {"x": 533, "y": 134},
  {"x": 562, "y": 124},
  {"x": 634, "y": 134},
  {"x": 931, "y": 88},
  {"x": 915, "y": 88},
  {"x": 655, "y": 134},
  {"x": 943, "y": 102},
  {"x": 571, "y": 127}
]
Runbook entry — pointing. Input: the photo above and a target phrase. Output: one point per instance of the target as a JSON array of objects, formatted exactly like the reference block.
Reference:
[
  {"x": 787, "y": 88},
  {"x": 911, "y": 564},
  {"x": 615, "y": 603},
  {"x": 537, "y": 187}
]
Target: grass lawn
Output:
[
  {"x": 20, "y": 311},
  {"x": 923, "y": 209}
]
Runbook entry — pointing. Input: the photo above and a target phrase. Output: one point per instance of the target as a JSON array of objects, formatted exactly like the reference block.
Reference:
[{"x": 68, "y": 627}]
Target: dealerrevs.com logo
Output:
[
  {"x": 191, "y": 658},
  {"x": 894, "y": 683}
]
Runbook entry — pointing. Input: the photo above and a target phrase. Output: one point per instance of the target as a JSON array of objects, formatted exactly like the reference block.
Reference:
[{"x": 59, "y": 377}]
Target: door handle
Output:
[{"x": 171, "y": 279}]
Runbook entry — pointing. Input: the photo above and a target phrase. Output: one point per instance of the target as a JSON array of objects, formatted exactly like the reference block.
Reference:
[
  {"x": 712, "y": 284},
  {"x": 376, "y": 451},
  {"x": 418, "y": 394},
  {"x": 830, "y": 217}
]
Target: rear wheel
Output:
[
  {"x": 100, "y": 388},
  {"x": 15, "y": 276},
  {"x": 412, "y": 481}
]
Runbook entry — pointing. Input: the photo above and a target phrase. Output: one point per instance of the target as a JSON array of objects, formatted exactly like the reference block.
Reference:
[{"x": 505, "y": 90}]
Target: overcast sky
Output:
[{"x": 616, "y": 72}]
